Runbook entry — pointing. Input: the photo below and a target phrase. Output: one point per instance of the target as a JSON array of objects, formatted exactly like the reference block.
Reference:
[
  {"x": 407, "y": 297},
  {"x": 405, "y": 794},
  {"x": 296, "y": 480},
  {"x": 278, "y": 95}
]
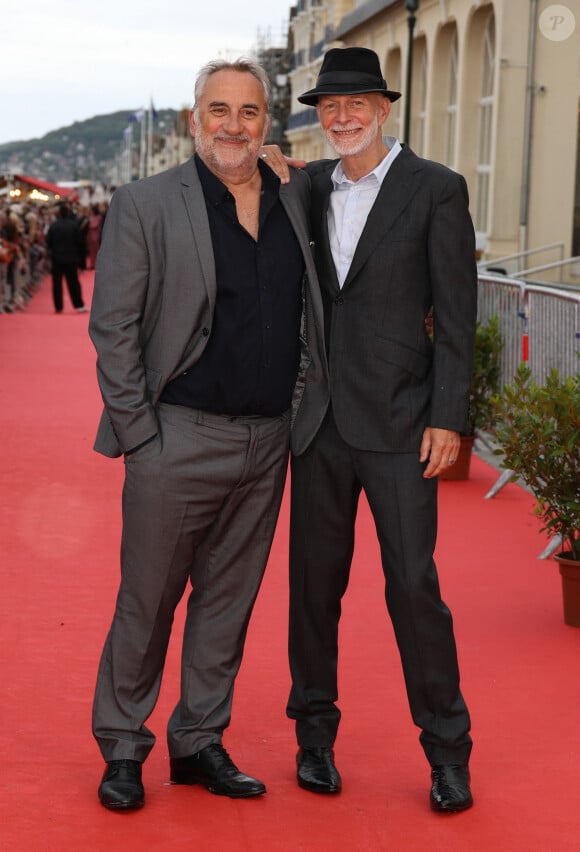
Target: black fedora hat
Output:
[{"x": 348, "y": 71}]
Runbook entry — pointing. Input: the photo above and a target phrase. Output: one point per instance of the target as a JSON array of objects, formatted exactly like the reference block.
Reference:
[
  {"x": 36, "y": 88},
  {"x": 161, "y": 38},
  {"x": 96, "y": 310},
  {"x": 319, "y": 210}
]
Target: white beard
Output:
[{"x": 346, "y": 147}]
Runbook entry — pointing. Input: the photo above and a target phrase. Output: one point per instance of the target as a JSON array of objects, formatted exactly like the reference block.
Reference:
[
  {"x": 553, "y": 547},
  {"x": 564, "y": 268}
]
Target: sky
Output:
[{"x": 68, "y": 61}]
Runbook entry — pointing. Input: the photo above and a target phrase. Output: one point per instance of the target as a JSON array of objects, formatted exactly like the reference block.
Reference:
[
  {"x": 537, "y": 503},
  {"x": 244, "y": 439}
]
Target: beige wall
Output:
[
  {"x": 555, "y": 105},
  {"x": 554, "y": 139}
]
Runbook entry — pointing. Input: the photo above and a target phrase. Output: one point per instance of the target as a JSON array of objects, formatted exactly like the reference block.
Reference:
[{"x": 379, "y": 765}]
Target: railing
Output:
[
  {"x": 540, "y": 324},
  {"x": 554, "y": 331},
  {"x": 503, "y": 297},
  {"x": 492, "y": 265},
  {"x": 304, "y": 118},
  {"x": 557, "y": 264},
  {"x": 316, "y": 50}
]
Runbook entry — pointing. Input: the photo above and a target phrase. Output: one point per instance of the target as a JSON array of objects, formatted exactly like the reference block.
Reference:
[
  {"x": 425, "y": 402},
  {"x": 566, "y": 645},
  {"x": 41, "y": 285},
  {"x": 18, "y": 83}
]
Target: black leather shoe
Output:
[
  {"x": 214, "y": 768},
  {"x": 317, "y": 772},
  {"x": 450, "y": 790},
  {"x": 121, "y": 788}
]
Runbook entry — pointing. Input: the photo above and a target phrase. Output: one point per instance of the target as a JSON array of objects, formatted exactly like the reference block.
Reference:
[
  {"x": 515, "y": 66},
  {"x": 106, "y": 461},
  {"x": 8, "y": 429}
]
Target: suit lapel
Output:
[
  {"x": 297, "y": 220},
  {"x": 396, "y": 193},
  {"x": 195, "y": 204},
  {"x": 321, "y": 191}
]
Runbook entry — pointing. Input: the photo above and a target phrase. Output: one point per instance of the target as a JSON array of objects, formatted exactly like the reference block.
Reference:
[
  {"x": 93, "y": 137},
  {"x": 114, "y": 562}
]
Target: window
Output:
[
  {"x": 451, "y": 128},
  {"x": 394, "y": 126},
  {"x": 483, "y": 167},
  {"x": 419, "y": 96},
  {"x": 576, "y": 225}
]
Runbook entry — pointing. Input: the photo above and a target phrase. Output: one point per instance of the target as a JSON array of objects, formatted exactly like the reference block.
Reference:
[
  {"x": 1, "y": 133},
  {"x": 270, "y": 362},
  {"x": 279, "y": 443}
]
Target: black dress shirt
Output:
[{"x": 250, "y": 363}]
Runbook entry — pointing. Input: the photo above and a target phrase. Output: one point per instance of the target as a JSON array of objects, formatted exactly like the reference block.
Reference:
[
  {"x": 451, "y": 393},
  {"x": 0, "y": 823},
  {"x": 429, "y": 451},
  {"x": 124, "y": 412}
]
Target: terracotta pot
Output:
[
  {"x": 570, "y": 573},
  {"x": 460, "y": 470}
]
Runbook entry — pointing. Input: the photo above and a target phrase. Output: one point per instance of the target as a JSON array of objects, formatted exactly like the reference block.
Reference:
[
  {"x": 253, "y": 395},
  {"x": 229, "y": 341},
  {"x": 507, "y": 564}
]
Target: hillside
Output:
[{"x": 84, "y": 150}]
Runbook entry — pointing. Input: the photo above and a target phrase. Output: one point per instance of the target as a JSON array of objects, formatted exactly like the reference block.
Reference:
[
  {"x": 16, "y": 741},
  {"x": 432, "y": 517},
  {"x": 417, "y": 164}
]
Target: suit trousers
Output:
[
  {"x": 70, "y": 272},
  {"x": 326, "y": 484},
  {"x": 200, "y": 503}
]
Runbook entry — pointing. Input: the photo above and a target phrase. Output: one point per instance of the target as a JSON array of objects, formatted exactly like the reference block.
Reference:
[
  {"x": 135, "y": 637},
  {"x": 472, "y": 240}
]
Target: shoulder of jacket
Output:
[
  {"x": 321, "y": 167},
  {"x": 150, "y": 186},
  {"x": 298, "y": 177},
  {"x": 435, "y": 171},
  {"x": 147, "y": 192},
  {"x": 299, "y": 185}
]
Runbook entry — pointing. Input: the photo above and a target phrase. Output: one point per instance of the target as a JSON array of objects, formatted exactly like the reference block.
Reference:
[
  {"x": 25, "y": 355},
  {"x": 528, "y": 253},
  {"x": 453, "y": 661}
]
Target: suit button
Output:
[
  {"x": 339, "y": 300},
  {"x": 205, "y": 332}
]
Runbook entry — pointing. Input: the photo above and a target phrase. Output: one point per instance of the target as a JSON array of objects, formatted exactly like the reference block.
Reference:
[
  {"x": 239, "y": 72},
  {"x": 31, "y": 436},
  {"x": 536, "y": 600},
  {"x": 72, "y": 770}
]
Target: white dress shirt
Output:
[{"x": 350, "y": 205}]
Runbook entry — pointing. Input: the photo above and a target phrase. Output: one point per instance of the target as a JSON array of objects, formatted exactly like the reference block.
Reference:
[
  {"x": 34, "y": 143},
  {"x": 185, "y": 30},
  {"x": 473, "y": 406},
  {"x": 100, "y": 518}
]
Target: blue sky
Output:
[{"x": 68, "y": 61}]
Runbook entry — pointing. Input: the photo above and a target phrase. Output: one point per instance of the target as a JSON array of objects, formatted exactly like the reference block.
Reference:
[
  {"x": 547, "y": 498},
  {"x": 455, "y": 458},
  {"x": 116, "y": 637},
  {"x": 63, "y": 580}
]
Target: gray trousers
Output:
[{"x": 200, "y": 503}]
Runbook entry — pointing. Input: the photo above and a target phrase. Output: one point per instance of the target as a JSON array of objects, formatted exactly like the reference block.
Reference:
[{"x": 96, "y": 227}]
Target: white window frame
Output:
[{"x": 484, "y": 137}]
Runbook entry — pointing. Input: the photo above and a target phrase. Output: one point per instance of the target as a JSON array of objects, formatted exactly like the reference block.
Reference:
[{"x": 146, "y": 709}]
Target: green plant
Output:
[
  {"x": 485, "y": 381},
  {"x": 538, "y": 430}
]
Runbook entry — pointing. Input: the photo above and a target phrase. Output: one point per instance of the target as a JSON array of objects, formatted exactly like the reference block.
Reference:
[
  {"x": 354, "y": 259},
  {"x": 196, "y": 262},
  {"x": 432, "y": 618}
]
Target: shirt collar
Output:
[{"x": 217, "y": 192}]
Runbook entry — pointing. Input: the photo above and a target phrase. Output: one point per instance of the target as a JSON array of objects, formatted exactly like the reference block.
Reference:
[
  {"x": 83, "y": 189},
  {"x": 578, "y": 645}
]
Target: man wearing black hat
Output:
[{"x": 393, "y": 238}]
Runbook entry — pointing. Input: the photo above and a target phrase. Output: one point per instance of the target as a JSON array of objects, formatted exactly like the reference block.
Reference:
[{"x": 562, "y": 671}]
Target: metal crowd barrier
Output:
[
  {"x": 541, "y": 327},
  {"x": 505, "y": 298},
  {"x": 554, "y": 331}
]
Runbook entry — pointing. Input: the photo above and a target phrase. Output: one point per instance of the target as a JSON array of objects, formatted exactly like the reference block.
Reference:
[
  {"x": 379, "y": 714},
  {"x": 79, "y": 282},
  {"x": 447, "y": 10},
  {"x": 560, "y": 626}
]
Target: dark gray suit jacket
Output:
[
  {"x": 154, "y": 298},
  {"x": 388, "y": 381}
]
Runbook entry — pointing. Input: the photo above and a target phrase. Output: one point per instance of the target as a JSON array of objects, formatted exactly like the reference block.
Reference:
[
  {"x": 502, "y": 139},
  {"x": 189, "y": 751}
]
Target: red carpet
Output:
[{"x": 59, "y": 539}]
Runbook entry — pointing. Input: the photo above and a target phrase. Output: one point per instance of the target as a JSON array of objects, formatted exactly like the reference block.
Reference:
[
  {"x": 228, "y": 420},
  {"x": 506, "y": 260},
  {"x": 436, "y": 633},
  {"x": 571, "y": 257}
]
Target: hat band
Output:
[{"x": 350, "y": 78}]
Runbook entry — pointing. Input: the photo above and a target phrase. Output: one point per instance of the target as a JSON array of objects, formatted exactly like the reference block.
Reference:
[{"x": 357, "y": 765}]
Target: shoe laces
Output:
[
  {"x": 220, "y": 752},
  {"x": 126, "y": 763}
]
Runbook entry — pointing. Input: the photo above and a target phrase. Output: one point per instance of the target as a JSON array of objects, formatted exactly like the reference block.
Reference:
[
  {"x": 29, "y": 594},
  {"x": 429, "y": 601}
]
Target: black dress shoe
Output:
[
  {"x": 214, "y": 768},
  {"x": 317, "y": 772},
  {"x": 450, "y": 790},
  {"x": 121, "y": 788}
]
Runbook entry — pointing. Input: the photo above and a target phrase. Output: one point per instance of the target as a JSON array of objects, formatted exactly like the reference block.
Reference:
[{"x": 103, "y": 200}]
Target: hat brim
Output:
[{"x": 310, "y": 98}]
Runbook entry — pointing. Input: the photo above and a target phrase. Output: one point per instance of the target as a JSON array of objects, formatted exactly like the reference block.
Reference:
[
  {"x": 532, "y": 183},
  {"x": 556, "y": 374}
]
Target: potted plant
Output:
[
  {"x": 538, "y": 432},
  {"x": 485, "y": 385}
]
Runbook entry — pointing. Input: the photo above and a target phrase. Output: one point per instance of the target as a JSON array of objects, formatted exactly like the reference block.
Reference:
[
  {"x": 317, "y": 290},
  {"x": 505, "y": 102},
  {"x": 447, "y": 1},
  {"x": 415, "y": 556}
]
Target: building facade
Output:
[{"x": 495, "y": 95}]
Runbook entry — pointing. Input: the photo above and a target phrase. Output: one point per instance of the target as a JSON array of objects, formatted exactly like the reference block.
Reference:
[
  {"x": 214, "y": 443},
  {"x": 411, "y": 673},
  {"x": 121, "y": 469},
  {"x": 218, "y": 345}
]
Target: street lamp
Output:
[{"x": 411, "y": 7}]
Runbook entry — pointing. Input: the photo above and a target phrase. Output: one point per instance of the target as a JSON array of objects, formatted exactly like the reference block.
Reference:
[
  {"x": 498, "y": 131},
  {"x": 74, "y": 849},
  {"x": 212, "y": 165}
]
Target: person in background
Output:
[
  {"x": 82, "y": 217},
  {"x": 65, "y": 246},
  {"x": 94, "y": 226},
  {"x": 10, "y": 254},
  {"x": 204, "y": 281},
  {"x": 393, "y": 238}
]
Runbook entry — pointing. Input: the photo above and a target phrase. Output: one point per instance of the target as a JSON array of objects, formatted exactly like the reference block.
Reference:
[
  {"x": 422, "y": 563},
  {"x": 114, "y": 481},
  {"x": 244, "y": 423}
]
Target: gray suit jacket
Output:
[
  {"x": 154, "y": 298},
  {"x": 388, "y": 380}
]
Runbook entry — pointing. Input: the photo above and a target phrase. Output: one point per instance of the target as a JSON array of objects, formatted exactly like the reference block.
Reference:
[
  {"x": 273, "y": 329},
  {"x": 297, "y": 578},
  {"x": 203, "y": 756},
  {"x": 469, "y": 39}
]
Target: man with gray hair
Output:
[
  {"x": 203, "y": 282},
  {"x": 394, "y": 241}
]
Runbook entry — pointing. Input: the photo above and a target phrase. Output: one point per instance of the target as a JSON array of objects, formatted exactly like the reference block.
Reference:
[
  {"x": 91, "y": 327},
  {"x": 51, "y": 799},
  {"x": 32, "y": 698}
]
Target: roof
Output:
[
  {"x": 362, "y": 13},
  {"x": 53, "y": 188}
]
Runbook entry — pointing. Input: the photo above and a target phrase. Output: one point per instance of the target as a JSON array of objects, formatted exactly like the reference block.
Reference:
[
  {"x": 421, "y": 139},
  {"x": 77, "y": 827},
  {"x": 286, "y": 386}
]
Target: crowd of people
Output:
[{"x": 26, "y": 252}]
